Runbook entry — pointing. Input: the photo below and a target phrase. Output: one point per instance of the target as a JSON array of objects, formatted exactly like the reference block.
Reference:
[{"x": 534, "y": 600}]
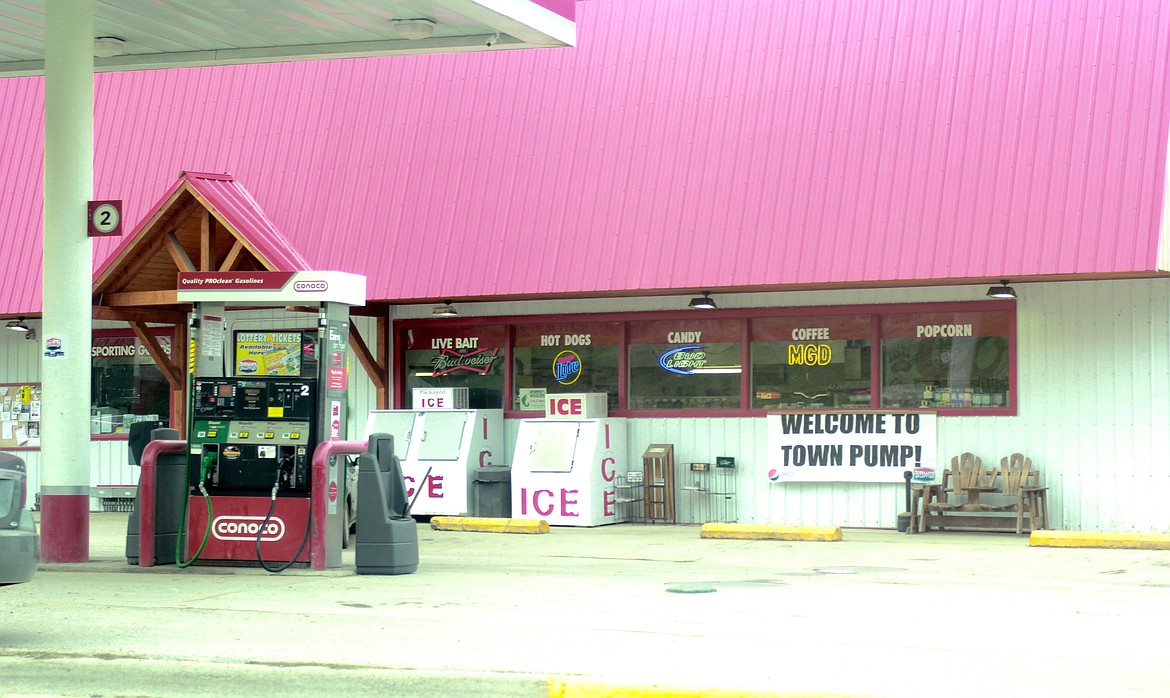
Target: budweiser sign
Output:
[{"x": 449, "y": 361}]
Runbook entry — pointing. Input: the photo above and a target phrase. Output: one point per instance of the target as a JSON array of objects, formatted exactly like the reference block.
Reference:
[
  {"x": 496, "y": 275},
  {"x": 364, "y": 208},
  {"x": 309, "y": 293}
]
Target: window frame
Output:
[
  {"x": 587, "y": 328},
  {"x": 159, "y": 332},
  {"x": 488, "y": 327},
  {"x": 400, "y": 398}
]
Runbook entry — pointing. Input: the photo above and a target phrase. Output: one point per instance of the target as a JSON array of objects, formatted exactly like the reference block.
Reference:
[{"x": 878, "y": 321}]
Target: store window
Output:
[
  {"x": 811, "y": 362},
  {"x": 685, "y": 364},
  {"x": 564, "y": 358},
  {"x": 946, "y": 360},
  {"x": 471, "y": 358},
  {"x": 125, "y": 384}
]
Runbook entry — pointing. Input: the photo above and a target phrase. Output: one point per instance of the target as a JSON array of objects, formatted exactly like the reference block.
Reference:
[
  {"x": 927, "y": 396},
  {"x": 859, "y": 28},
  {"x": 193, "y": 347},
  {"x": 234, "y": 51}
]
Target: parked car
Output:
[{"x": 19, "y": 543}]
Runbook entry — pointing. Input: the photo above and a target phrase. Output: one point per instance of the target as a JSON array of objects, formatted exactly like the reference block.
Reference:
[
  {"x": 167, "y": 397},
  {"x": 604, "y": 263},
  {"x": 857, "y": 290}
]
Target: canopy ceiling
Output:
[{"x": 180, "y": 33}]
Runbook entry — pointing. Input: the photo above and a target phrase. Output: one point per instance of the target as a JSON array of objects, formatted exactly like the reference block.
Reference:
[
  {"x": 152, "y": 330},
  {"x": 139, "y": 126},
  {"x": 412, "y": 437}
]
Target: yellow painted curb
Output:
[
  {"x": 1092, "y": 539},
  {"x": 486, "y": 525},
  {"x": 769, "y": 532},
  {"x": 575, "y": 688}
]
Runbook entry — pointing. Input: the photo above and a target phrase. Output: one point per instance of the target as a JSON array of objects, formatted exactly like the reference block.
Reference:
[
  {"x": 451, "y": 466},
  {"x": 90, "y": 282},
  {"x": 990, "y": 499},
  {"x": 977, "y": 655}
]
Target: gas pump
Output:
[
  {"x": 252, "y": 436},
  {"x": 253, "y": 426}
]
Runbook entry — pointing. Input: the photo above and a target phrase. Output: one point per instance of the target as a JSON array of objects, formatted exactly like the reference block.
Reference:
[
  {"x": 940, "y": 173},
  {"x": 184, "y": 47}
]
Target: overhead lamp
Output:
[
  {"x": 108, "y": 46},
  {"x": 413, "y": 29},
  {"x": 19, "y": 325},
  {"x": 703, "y": 302},
  {"x": 444, "y": 310},
  {"x": 1003, "y": 291}
]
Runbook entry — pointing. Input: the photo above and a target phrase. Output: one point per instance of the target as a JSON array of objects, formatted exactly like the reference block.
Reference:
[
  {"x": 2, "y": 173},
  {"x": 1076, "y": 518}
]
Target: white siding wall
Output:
[
  {"x": 362, "y": 396},
  {"x": 20, "y": 363},
  {"x": 1094, "y": 383}
]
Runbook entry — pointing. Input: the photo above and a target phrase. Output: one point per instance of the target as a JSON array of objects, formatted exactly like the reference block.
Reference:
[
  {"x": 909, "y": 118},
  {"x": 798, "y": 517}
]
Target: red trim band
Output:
[{"x": 64, "y": 528}]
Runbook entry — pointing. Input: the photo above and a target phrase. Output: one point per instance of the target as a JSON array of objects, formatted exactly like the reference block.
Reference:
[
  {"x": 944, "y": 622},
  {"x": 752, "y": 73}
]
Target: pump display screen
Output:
[
  {"x": 251, "y": 401},
  {"x": 255, "y": 398}
]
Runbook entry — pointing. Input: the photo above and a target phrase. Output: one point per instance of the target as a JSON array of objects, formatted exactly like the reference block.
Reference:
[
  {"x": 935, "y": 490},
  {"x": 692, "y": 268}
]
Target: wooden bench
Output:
[{"x": 957, "y": 503}]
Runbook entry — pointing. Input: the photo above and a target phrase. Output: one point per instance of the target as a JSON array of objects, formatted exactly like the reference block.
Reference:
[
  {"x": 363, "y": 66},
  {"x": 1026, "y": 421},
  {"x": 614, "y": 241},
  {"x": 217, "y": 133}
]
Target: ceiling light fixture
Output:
[
  {"x": 1003, "y": 291},
  {"x": 108, "y": 46},
  {"x": 444, "y": 310},
  {"x": 413, "y": 29},
  {"x": 702, "y": 303},
  {"x": 18, "y": 325}
]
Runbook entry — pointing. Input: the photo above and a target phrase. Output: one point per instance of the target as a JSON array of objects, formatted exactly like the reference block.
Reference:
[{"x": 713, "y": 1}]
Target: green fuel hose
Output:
[{"x": 204, "y": 467}]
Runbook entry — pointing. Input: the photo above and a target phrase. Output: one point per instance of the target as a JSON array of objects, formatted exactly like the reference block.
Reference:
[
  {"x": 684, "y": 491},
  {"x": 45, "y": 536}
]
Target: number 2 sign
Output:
[{"x": 105, "y": 218}]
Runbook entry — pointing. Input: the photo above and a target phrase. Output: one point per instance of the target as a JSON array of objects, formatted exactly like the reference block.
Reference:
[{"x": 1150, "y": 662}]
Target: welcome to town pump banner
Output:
[{"x": 864, "y": 446}]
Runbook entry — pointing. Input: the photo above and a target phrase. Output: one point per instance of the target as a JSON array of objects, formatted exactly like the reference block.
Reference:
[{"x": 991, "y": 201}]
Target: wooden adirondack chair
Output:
[
  {"x": 1022, "y": 482},
  {"x": 967, "y": 475},
  {"x": 966, "y": 478}
]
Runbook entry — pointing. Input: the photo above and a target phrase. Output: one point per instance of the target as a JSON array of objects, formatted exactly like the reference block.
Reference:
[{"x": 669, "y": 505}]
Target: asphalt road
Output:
[{"x": 878, "y": 614}]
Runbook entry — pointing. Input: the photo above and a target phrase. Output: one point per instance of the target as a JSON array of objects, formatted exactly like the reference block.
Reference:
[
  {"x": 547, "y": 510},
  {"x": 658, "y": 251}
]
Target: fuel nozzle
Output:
[
  {"x": 207, "y": 468},
  {"x": 288, "y": 465},
  {"x": 207, "y": 465},
  {"x": 285, "y": 470}
]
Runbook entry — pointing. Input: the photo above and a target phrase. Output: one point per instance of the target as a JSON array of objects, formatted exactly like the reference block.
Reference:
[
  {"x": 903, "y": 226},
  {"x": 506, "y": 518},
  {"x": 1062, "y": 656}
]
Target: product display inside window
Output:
[
  {"x": 946, "y": 360},
  {"x": 811, "y": 362},
  {"x": 685, "y": 365},
  {"x": 931, "y": 356},
  {"x": 125, "y": 385},
  {"x": 564, "y": 358},
  {"x": 471, "y": 358}
]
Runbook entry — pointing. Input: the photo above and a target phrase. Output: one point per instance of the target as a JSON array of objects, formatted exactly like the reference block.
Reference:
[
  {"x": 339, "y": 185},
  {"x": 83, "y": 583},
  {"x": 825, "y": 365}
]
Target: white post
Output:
[{"x": 66, "y": 281}]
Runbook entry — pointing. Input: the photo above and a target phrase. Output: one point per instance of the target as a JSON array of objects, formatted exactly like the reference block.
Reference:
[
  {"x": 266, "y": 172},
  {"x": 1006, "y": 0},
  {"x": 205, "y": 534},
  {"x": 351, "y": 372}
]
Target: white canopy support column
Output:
[{"x": 66, "y": 283}]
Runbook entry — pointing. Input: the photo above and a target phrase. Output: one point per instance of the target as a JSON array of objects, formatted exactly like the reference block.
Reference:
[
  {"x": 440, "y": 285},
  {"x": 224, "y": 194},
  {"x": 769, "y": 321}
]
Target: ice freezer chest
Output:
[
  {"x": 439, "y": 451},
  {"x": 564, "y": 471}
]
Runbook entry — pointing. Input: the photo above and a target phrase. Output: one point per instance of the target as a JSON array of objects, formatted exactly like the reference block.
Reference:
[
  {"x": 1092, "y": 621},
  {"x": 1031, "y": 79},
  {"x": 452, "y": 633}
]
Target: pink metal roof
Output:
[
  {"x": 235, "y": 205},
  {"x": 683, "y": 144},
  {"x": 227, "y": 198}
]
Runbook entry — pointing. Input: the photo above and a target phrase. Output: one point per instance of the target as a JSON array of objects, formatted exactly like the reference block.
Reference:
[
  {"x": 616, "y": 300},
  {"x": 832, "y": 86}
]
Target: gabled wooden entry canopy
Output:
[{"x": 207, "y": 222}]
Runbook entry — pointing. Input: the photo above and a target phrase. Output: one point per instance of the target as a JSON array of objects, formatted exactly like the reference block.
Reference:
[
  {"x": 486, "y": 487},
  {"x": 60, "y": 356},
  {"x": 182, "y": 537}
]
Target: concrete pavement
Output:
[{"x": 653, "y": 608}]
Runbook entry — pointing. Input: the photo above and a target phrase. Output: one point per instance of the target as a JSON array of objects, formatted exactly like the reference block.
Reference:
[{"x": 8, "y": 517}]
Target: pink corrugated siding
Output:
[
  {"x": 563, "y": 8},
  {"x": 683, "y": 144},
  {"x": 22, "y": 171}
]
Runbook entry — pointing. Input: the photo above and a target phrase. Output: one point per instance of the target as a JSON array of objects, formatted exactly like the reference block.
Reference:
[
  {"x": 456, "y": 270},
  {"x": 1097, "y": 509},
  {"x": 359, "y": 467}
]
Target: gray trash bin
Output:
[
  {"x": 492, "y": 492},
  {"x": 170, "y": 473}
]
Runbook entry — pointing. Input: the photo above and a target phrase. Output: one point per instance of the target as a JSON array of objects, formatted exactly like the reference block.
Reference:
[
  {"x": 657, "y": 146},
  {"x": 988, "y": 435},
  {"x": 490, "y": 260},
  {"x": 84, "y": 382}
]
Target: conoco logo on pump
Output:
[
  {"x": 310, "y": 286},
  {"x": 246, "y": 528}
]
